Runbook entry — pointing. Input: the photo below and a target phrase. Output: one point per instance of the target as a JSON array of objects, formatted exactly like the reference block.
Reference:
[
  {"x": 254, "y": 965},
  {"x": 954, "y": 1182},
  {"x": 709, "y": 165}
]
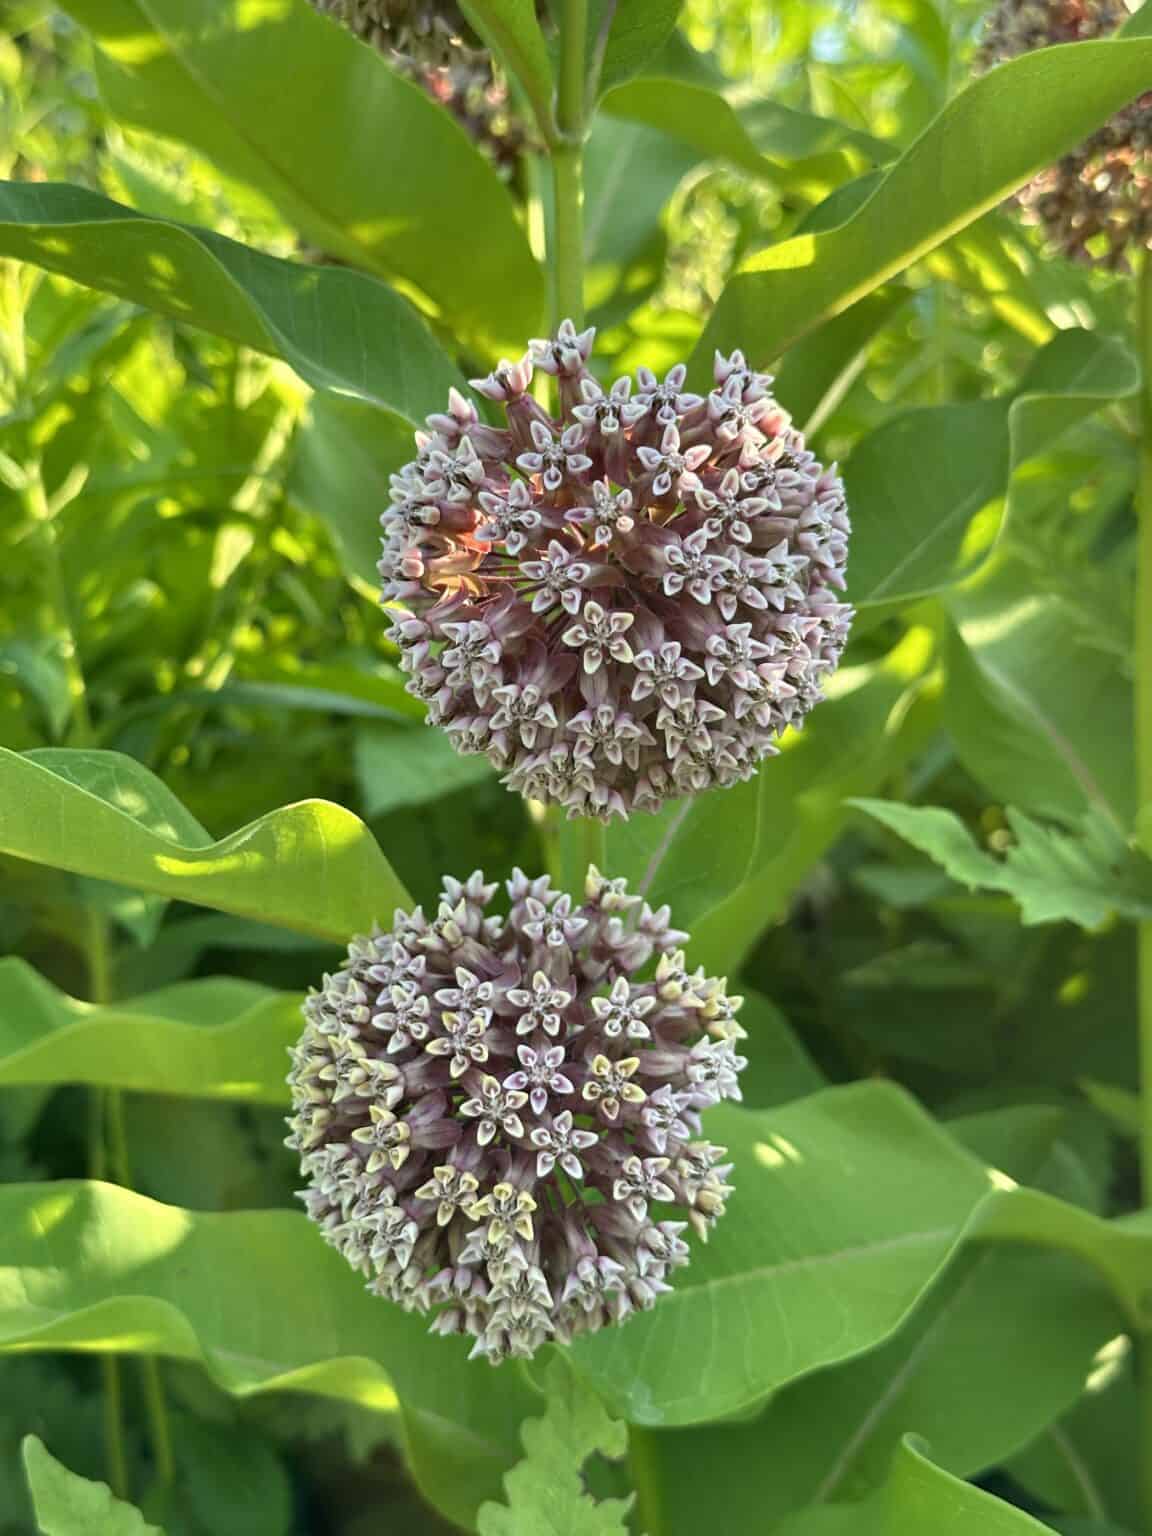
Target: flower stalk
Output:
[
  {"x": 1142, "y": 652},
  {"x": 567, "y": 154}
]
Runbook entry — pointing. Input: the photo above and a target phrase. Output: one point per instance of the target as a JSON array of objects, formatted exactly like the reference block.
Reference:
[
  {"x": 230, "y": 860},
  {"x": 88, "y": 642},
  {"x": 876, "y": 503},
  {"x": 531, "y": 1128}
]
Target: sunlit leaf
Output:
[
  {"x": 260, "y": 1300},
  {"x": 335, "y": 153},
  {"x": 311, "y": 866},
  {"x": 991, "y": 138},
  {"x": 214, "y": 1038}
]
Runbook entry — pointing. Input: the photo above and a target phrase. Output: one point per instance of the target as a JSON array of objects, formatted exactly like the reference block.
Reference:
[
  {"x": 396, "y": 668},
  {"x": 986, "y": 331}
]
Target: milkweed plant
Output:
[{"x": 536, "y": 994}]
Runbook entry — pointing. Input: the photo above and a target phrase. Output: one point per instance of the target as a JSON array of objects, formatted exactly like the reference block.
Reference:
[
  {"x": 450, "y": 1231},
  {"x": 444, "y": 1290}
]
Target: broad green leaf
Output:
[
  {"x": 846, "y": 1206},
  {"x": 214, "y": 1038},
  {"x": 68, "y": 1505},
  {"x": 637, "y": 29},
  {"x": 1082, "y": 877},
  {"x": 411, "y": 765},
  {"x": 630, "y": 173},
  {"x": 334, "y": 153},
  {"x": 728, "y": 860},
  {"x": 1039, "y": 713},
  {"x": 816, "y": 373},
  {"x": 916, "y": 1498},
  {"x": 875, "y": 717},
  {"x": 1083, "y": 1465},
  {"x": 998, "y": 132},
  {"x": 779, "y": 1068},
  {"x": 344, "y": 454},
  {"x": 263, "y": 1304},
  {"x": 763, "y": 138},
  {"x": 915, "y": 483},
  {"x": 997, "y": 1349},
  {"x": 340, "y": 330},
  {"x": 512, "y": 31},
  {"x": 545, "y": 1491},
  {"x": 312, "y": 866}
]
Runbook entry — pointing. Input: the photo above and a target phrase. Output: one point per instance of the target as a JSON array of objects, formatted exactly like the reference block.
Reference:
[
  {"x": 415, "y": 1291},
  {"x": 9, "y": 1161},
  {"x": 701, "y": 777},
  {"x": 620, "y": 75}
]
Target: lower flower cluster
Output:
[{"x": 491, "y": 1112}]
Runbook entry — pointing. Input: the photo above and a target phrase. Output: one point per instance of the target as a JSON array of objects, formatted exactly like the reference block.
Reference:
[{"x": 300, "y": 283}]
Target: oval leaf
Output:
[
  {"x": 68, "y": 1505},
  {"x": 996, "y": 134},
  {"x": 312, "y": 866},
  {"x": 260, "y": 1300},
  {"x": 214, "y": 1038},
  {"x": 340, "y": 330},
  {"x": 846, "y": 1207},
  {"x": 279, "y": 97}
]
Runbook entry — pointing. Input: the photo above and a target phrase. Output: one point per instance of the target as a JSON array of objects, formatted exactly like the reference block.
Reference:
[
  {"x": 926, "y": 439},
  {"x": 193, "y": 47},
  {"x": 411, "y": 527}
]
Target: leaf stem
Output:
[
  {"x": 1142, "y": 653},
  {"x": 568, "y": 167}
]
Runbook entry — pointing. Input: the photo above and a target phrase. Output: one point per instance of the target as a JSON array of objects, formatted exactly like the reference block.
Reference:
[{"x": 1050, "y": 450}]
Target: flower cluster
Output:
[
  {"x": 489, "y": 1111},
  {"x": 1095, "y": 204},
  {"x": 431, "y": 43},
  {"x": 624, "y": 604}
]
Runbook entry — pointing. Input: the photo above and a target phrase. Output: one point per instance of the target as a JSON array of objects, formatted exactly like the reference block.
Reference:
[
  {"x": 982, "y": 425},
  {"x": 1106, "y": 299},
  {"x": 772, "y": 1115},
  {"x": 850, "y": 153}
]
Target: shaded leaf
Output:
[
  {"x": 915, "y": 483},
  {"x": 1039, "y": 713},
  {"x": 334, "y": 153},
  {"x": 916, "y": 1497},
  {"x": 637, "y": 31},
  {"x": 411, "y": 765},
  {"x": 340, "y": 330}
]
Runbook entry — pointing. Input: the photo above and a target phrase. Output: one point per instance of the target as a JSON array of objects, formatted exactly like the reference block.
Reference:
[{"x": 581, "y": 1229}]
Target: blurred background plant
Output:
[{"x": 188, "y": 538}]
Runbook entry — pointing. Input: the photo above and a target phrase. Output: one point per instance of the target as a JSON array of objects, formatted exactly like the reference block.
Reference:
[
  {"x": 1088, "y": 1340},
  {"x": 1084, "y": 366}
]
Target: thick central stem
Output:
[
  {"x": 1142, "y": 654},
  {"x": 568, "y": 167}
]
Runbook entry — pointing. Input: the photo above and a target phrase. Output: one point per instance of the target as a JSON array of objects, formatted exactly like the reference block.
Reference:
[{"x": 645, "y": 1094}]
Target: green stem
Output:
[
  {"x": 59, "y": 616},
  {"x": 568, "y": 168},
  {"x": 1142, "y": 653},
  {"x": 595, "y": 843},
  {"x": 104, "y": 1107},
  {"x": 115, "y": 1461},
  {"x": 108, "y": 1158}
]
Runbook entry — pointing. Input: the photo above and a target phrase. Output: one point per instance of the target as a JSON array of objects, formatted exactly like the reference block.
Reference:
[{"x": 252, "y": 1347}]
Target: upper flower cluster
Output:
[
  {"x": 624, "y": 604},
  {"x": 1094, "y": 204},
  {"x": 487, "y": 1109}
]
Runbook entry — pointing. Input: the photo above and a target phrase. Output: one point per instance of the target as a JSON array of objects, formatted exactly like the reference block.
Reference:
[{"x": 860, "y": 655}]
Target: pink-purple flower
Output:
[
  {"x": 499, "y": 1116},
  {"x": 627, "y": 602}
]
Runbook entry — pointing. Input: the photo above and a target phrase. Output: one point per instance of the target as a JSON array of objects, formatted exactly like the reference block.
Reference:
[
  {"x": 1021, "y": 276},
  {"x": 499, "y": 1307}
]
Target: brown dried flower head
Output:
[
  {"x": 626, "y": 603},
  {"x": 431, "y": 42},
  {"x": 1095, "y": 204},
  {"x": 491, "y": 1111}
]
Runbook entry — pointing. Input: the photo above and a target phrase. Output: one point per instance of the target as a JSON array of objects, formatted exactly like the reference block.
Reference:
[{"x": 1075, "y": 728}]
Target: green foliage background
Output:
[{"x": 245, "y": 259}]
